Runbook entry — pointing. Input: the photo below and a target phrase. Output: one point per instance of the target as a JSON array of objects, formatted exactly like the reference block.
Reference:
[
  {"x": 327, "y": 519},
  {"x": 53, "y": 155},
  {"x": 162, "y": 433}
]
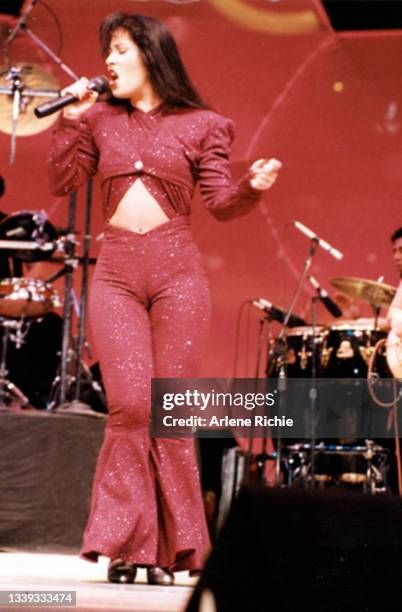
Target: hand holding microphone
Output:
[{"x": 78, "y": 97}]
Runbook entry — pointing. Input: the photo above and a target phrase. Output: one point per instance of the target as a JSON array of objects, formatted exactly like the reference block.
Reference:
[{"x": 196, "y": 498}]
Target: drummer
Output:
[
  {"x": 351, "y": 308},
  {"x": 395, "y": 311}
]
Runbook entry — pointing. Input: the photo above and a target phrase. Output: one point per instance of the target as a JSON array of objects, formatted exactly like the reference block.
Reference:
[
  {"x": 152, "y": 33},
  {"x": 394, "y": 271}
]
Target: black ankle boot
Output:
[
  {"x": 121, "y": 571},
  {"x": 160, "y": 576}
]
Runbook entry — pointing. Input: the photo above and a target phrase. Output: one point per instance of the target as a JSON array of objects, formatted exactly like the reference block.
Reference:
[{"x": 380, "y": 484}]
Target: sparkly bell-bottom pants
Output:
[{"x": 149, "y": 312}]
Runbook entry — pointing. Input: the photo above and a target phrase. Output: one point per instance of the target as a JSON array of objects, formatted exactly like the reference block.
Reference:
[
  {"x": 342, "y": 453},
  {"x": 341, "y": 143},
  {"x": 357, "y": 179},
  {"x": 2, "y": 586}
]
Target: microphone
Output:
[
  {"x": 328, "y": 302},
  {"x": 99, "y": 84},
  {"x": 322, "y": 243},
  {"x": 278, "y": 314}
]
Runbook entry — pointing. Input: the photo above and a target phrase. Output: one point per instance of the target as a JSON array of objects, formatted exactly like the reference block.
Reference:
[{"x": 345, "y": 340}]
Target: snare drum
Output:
[
  {"x": 26, "y": 297},
  {"x": 298, "y": 351}
]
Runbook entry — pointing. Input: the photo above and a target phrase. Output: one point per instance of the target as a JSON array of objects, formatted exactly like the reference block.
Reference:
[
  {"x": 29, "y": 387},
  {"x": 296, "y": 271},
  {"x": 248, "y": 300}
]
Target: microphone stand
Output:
[
  {"x": 21, "y": 25},
  {"x": 282, "y": 384},
  {"x": 313, "y": 392},
  {"x": 260, "y": 459}
]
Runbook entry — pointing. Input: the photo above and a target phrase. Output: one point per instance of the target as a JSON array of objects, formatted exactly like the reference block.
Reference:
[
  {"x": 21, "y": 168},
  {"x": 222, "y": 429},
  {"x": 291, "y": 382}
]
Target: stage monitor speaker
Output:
[{"x": 291, "y": 549}]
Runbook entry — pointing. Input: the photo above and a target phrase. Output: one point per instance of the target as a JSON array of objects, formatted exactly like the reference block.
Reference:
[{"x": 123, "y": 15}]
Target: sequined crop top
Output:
[{"x": 170, "y": 150}]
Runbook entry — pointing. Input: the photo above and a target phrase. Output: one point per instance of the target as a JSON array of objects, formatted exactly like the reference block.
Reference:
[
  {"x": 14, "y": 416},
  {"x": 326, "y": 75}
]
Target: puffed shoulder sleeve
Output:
[
  {"x": 224, "y": 198},
  {"x": 73, "y": 156}
]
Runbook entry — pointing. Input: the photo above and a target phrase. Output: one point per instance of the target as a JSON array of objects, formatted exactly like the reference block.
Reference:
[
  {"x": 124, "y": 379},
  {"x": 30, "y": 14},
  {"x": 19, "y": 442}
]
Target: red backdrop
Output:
[{"x": 328, "y": 107}]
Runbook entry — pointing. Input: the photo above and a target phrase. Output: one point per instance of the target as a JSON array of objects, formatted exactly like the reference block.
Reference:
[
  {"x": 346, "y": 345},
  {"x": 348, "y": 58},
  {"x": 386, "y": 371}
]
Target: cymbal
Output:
[
  {"x": 35, "y": 80},
  {"x": 377, "y": 294}
]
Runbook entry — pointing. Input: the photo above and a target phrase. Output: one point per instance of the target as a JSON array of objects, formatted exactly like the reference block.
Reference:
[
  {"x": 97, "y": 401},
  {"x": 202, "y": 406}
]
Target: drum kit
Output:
[
  {"x": 342, "y": 349},
  {"x": 347, "y": 349},
  {"x": 28, "y": 319},
  {"x": 27, "y": 305}
]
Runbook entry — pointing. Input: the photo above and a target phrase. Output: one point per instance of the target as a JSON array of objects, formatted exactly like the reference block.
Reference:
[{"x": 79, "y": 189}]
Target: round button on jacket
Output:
[{"x": 138, "y": 165}]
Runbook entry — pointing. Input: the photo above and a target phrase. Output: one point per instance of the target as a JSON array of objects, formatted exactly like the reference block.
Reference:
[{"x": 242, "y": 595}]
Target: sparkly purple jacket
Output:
[{"x": 170, "y": 150}]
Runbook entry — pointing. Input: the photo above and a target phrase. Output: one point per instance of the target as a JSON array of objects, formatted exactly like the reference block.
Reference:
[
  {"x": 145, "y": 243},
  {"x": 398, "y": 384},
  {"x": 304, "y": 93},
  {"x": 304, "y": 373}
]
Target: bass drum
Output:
[
  {"x": 33, "y": 366},
  {"x": 295, "y": 352},
  {"x": 347, "y": 349}
]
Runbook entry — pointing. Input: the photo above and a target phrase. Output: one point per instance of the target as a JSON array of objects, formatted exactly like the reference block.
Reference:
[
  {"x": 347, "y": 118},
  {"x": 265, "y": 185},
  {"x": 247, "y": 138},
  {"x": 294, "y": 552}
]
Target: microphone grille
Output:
[{"x": 99, "y": 84}]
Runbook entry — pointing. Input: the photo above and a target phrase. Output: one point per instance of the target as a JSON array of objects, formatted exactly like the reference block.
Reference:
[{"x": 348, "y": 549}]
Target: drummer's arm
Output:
[{"x": 73, "y": 155}]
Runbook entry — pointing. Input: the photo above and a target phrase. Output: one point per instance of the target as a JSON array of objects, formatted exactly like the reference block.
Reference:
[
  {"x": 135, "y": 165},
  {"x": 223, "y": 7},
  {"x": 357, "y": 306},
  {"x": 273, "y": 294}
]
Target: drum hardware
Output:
[
  {"x": 29, "y": 236},
  {"x": 372, "y": 380},
  {"x": 72, "y": 367},
  {"x": 8, "y": 390},
  {"x": 304, "y": 355},
  {"x": 326, "y": 352},
  {"x": 372, "y": 458},
  {"x": 26, "y": 245},
  {"x": 282, "y": 347},
  {"x": 366, "y": 351},
  {"x": 347, "y": 349},
  {"x": 296, "y": 358},
  {"x": 28, "y": 82}
]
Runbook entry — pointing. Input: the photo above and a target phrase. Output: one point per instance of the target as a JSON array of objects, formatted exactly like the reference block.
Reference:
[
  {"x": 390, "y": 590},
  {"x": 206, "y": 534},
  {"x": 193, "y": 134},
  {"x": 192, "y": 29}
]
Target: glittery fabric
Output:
[
  {"x": 170, "y": 150},
  {"x": 149, "y": 312}
]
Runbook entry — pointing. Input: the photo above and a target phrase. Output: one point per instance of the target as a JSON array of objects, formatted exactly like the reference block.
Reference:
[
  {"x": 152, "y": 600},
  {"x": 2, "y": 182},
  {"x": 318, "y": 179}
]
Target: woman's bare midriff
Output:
[{"x": 138, "y": 211}]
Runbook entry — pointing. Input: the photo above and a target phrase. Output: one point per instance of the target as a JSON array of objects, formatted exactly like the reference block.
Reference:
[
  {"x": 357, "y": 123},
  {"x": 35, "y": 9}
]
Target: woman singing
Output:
[{"x": 150, "y": 143}]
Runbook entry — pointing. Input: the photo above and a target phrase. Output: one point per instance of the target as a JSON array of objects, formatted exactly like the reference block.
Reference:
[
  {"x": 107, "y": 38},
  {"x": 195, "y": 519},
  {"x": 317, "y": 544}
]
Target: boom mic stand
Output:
[
  {"x": 22, "y": 25},
  {"x": 264, "y": 455},
  {"x": 260, "y": 461}
]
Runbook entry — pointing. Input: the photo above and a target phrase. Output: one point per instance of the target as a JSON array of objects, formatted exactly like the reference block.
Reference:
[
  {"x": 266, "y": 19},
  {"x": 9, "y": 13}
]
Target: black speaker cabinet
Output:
[{"x": 291, "y": 549}]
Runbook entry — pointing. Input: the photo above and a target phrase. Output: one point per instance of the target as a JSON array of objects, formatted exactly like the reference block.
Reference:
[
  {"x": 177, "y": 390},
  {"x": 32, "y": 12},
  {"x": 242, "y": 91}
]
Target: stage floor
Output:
[{"x": 23, "y": 571}]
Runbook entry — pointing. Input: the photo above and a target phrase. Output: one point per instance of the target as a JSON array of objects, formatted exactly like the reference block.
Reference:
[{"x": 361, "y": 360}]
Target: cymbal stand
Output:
[
  {"x": 8, "y": 390},
  {"x": 19, "y": 94}
]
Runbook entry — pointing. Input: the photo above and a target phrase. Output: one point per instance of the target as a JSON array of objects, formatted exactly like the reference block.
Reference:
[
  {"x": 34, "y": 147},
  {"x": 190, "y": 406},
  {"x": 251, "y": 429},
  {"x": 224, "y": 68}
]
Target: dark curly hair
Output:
[{"x": 160, "y": 56}]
